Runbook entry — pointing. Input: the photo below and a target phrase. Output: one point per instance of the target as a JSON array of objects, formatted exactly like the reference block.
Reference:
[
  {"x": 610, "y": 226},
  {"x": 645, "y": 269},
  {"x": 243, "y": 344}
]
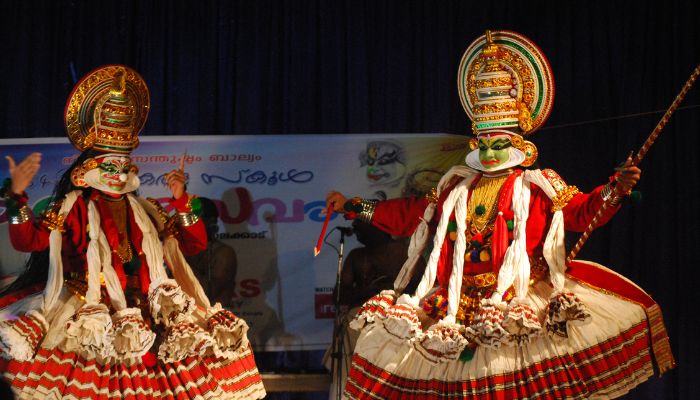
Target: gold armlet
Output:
[
  {"x": 562, "y": 198},
  {"x": 52, "y": 220}
]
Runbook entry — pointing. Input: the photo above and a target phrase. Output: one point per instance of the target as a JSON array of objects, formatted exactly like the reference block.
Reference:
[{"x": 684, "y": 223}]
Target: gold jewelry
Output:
[
  {"x": 124, "y": 251},
  {"x": 118, "y": 210},
  {"x": 169, "y": 229},
  {"x": 485, "y": 280},
  {"x": 616, "y": 199},
  {"x": 187, "y": 218},
  {"x": 473, "y": 143},
  {"x": 367, "y": 209},
  {"x": 481, "y": 208},
  {"x": 524, "y": 118},
  {"x": 53, "y": 220},
  {"x": 606, "y": 192},
  {"x": 107, "y": 109},
  {"x": 23, "y": 215},
  {"x": 77, "y": 176},
  {"x": 432, "y": 196},
  {"x": 562, "y": 198}
]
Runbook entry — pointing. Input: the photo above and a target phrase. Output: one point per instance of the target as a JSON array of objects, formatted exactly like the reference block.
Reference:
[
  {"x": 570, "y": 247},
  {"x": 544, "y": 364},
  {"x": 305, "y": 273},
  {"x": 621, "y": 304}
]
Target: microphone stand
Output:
[{"x": 338, "y": 344}]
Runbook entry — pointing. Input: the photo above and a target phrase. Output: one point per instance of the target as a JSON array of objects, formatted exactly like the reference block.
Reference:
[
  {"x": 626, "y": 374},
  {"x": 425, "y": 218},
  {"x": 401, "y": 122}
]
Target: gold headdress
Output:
[
  {"x": 506, "y": 86},
  {"x": 107, "y": 110}
]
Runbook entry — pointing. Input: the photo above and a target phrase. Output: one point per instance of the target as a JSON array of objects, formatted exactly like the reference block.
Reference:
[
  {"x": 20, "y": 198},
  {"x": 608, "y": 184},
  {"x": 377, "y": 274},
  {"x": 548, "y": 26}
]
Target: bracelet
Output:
[
  {"x": 606, "y": 192},
  {"x": 187, "y": 219},
  {"x": 367, "y": 210},
  {"x": 615, "y": 200},
  {"x": 611, "y": 195},
  {"x": 23, "y": 215}
]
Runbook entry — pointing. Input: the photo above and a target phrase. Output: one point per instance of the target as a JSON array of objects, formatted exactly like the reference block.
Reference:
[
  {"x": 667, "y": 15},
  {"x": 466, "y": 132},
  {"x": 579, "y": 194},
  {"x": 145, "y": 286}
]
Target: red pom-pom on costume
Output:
[{"x": 149, "y": 359}]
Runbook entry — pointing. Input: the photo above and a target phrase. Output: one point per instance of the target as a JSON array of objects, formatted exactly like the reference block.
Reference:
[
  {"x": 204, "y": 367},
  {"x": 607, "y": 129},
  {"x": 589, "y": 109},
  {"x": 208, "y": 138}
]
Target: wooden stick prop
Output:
[
  {"x": 637, "y": 159},
  {"x": 319, "y": 243}
]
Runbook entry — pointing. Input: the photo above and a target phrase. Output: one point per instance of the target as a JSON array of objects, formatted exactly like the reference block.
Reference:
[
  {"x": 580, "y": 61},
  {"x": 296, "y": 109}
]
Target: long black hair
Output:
[{"x": 37, "y": 266}]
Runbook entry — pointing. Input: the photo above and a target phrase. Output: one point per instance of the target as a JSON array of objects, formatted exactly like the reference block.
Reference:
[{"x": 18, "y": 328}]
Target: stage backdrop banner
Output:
[{"x": 270, "y": 192}]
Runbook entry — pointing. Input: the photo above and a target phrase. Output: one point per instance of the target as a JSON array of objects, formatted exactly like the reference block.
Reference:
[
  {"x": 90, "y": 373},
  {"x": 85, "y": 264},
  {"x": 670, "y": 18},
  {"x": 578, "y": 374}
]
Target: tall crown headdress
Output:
[
  {"x": 107, "y": 110},
  {"x": 506, "y": 85}
]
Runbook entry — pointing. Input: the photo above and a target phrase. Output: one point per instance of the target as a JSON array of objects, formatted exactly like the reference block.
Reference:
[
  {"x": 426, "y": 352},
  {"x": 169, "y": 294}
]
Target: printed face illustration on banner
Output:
[
  {"x": 494, "y": 151},
  {"x": 385, "y": 162}
]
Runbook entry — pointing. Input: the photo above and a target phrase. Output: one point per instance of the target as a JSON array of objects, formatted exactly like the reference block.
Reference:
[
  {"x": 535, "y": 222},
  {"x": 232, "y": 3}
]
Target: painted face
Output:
[
  {"x": 384, "y": 162},
  {"x": 113, "y": 172},
  {"x": 493, "y": 151}
]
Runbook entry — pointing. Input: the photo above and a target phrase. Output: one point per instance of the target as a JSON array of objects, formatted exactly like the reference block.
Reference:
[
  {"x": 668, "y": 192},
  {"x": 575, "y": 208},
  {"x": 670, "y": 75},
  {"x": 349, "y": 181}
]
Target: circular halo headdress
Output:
[
  {"x": 506, "y": 85},
  {"x": 107, "y": 109}
]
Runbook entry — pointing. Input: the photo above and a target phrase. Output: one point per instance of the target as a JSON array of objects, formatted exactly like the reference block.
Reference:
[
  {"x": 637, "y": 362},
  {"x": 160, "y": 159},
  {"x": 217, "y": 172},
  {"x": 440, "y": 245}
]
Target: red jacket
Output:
[
  {"x": 32, "y": 236},
  {"x": 400, "y": 217}
]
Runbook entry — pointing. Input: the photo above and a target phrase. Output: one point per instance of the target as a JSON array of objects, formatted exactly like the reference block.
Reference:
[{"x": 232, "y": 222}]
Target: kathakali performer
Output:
[
  {"x": 110, "y": 322},
  {"x": 499, "y": 313}
]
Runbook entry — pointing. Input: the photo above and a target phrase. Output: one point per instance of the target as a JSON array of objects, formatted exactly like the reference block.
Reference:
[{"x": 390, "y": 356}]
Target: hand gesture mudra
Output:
[
  {"x": 23, "y": 173},
  {"x": 175, "y": 179}
]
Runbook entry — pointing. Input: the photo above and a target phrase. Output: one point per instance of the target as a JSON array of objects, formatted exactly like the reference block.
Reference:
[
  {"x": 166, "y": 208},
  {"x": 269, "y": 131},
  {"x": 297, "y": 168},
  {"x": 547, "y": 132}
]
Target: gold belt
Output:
[
  {"x": 132, "y": 281},
  {"x": 485, "y": 280}
]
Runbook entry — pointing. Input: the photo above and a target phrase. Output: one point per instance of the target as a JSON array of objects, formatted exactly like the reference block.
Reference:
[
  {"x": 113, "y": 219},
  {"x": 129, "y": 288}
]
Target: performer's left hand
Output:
[
  {"x": 176, "y": 179},
  {"x": 627, "y": 177}
]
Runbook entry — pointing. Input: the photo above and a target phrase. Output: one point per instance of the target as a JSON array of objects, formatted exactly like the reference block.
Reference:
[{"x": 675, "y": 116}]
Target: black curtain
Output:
[{"x": 294, "y": 67}]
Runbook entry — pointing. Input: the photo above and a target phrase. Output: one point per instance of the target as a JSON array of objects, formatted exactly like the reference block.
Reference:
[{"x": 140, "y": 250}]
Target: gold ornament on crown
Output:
[
  {"x": 505, "y": 82},
  {"x": 107, "y": 109}
]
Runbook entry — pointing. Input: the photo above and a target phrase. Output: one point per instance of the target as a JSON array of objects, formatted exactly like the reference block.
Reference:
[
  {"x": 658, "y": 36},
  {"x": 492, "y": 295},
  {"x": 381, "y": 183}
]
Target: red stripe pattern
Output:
[
  {"x": 56, "y": 374},
  {"x": 27, "y": 327},
  {"x": 608, "y": 369}
]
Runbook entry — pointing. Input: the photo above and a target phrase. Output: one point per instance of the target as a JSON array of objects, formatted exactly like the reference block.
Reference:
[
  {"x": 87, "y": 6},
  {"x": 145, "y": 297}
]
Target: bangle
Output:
[
  {"x": 23, "y": 215},
  {"x": 187, "y": 218},
  {"x": 606, "y": 192},
  {"x": 367, "y": 210},
  {"x": 615, "y": 200}
]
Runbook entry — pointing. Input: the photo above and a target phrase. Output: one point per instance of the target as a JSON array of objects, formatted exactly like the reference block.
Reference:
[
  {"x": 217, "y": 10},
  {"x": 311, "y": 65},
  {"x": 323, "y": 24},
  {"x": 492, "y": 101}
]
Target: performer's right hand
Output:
[
  {"x": 23, "y": 173},
  {"x": 337, "y": 200}
]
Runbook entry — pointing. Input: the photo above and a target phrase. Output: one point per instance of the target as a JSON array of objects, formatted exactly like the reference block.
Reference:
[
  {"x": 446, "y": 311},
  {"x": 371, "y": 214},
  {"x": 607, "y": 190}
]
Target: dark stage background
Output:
[{"x": 294, "y": 67}]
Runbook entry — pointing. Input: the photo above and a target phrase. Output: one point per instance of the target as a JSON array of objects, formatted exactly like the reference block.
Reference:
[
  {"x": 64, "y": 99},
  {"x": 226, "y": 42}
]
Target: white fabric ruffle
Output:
[
  {"x": 402, "y": 321},
  {"x": 374, "y": 309},
  {"x": 132, "y": 337},
  {"x": 486, "y": 329},
  {"x": 565, "y": 308},
  {"x": 89, "y": 333},
  {"x": 20, "y": 337},
  {"x": 184, "y": 338},
  {"x": 521, "y": 323},
  {"x": 229, "y": 332},
  {"x": 167, "y": 301},
  {"x": 442, "y": 342}
]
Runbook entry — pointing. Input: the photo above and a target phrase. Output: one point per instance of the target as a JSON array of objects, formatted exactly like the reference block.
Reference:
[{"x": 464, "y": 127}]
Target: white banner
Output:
[{"x": 270, "y": 191}]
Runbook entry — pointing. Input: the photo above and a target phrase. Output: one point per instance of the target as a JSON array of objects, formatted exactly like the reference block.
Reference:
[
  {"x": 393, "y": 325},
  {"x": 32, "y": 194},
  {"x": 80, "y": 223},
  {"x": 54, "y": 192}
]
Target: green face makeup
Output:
[{"x": 494, "y": 151}]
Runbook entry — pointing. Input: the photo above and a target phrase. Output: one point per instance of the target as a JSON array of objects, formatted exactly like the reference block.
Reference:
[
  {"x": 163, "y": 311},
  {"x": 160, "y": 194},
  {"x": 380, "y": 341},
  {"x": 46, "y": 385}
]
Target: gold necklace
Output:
[
  {"x": 481, "y": 208},
  {"x": 118, "y": 209}
]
